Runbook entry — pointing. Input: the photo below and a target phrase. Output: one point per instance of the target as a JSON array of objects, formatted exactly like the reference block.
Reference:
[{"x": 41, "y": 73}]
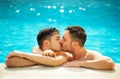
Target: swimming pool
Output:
[{"x": 21, "y": 20}]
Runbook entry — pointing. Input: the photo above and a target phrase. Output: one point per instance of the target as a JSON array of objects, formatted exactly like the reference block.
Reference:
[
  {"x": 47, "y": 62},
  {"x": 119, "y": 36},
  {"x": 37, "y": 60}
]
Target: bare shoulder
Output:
[
  {"x": 36, "y": 50},
  {"x": 91, "y": 54}
]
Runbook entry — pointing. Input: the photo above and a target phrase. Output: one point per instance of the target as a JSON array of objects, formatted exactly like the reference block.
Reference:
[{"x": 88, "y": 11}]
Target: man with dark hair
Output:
[
  {"x": 73, "y": 41},
  {"x": 46, "y": 35},
  {"x": 48, "y": 40}
]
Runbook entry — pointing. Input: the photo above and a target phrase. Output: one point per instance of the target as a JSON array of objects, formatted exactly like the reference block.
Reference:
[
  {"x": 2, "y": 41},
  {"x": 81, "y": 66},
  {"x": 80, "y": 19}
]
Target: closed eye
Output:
[
  {"x": 63, "y": 38},
  {"x": 58, "y": 38}
]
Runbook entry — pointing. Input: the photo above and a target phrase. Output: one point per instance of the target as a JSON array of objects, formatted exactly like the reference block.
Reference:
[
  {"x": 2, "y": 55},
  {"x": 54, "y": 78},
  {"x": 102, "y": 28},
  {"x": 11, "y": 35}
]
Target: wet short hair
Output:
[
  {"x": 45, "y": 34},
  {"x": 77, "y": 33}
]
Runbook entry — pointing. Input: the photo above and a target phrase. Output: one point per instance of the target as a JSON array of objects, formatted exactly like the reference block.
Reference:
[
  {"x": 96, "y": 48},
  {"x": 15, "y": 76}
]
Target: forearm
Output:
[
  {"x": 19, "y": 62},
  {"x": 98, "y": 64},
  {"x": 46, "y": 60}
]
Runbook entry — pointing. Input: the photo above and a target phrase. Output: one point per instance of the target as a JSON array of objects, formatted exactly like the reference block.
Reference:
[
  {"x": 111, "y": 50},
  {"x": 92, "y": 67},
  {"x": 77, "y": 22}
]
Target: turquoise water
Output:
[{"x": 20, "y": 21}]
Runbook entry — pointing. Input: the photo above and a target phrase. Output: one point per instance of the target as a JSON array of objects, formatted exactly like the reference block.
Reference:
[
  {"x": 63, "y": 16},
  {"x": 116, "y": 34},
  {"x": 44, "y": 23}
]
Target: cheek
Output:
[
  {"x": 65, "y": 44},
  {"x": 57, "y": 43}
]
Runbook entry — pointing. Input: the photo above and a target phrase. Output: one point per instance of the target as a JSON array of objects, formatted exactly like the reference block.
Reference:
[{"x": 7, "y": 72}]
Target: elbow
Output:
[
  {"x": 8, "y": 63},
  {"x": 11, "y": 62},
  {"x": 111, "y": 65}
]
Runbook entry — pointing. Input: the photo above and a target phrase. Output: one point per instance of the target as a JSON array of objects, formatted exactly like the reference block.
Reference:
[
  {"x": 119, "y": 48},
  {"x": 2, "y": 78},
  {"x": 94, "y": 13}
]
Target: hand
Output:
[
  {"x": 15, "y": 53},
  {"x": 49, "y": 53},
  {"x": 72, "y": 64}
]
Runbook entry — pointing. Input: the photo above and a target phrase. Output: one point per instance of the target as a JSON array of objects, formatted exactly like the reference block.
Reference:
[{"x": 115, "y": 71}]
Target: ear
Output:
[
  {"x": 46, "y": 43},
  {"x": 74, "y": 43}
]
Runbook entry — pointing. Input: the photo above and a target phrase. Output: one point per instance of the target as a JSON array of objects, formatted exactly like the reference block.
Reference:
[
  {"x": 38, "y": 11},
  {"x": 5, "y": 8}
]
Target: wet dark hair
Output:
[
  {"x": 77, "y": 33},
  {"x": 45, "y": 34}
]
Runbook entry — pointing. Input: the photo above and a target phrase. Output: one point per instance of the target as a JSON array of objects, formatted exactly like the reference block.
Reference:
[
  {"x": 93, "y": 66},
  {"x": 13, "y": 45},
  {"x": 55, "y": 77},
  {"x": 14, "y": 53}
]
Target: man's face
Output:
[
  {"x": 55, "y": 42},
  {"x": 66, "y": 42}
]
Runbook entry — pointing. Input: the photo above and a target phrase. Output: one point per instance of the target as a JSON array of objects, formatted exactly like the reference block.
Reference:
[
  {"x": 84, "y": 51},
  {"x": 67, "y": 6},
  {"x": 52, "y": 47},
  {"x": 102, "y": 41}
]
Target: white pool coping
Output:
[{"x": 45, "y": 72}]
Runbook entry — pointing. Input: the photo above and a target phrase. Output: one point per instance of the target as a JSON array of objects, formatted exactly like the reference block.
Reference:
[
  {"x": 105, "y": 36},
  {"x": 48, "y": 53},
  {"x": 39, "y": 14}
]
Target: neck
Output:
[{"x": 79, "y": 53}]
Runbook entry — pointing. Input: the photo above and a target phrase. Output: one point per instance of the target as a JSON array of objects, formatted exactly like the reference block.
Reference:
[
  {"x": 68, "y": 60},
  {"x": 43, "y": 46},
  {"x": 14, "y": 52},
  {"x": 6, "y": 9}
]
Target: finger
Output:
[
  {"x": 47, "y": 54},
  {"x": 54, "y": 55},
  {"x": 51, "y": 54},
  {"x": 44, "y": 54}
]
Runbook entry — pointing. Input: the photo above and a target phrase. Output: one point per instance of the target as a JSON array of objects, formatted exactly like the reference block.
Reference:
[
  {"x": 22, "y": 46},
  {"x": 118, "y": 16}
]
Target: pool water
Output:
[{"x": 20, "y": 21}]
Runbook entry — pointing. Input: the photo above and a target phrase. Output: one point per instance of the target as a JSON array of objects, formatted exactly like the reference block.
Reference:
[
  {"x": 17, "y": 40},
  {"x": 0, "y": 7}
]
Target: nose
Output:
[{"x": 61, "y": 41}]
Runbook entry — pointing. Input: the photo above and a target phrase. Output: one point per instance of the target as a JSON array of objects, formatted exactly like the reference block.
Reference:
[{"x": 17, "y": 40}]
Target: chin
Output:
[{"x": 64, "y": 50}]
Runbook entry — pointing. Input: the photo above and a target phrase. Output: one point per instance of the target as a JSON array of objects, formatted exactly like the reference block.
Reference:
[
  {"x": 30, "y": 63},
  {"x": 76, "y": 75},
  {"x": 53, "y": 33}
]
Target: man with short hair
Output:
[
  {"x": 73, "y": 41},
  {"x": 48, "y": 41}
]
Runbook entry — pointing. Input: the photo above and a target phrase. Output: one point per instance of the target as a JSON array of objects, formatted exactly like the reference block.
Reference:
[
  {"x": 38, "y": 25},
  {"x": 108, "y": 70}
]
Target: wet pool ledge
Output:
[{"x": 45, "y": 72}]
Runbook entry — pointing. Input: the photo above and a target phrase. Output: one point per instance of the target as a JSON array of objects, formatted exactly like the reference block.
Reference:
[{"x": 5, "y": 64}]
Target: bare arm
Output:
[
  {"x": 19, "y": 62},
  {"x": 15, "y": 61},
  {"x": 100, "y": 63},
  {"x": 40, "y": 59},
  {"x": 94, "y": 61},
  {"x": 46, "y": 60}
]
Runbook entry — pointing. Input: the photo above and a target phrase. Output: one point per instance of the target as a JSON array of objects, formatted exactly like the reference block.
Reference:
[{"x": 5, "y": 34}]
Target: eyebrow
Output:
[{"x": 58, "y": 37}]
